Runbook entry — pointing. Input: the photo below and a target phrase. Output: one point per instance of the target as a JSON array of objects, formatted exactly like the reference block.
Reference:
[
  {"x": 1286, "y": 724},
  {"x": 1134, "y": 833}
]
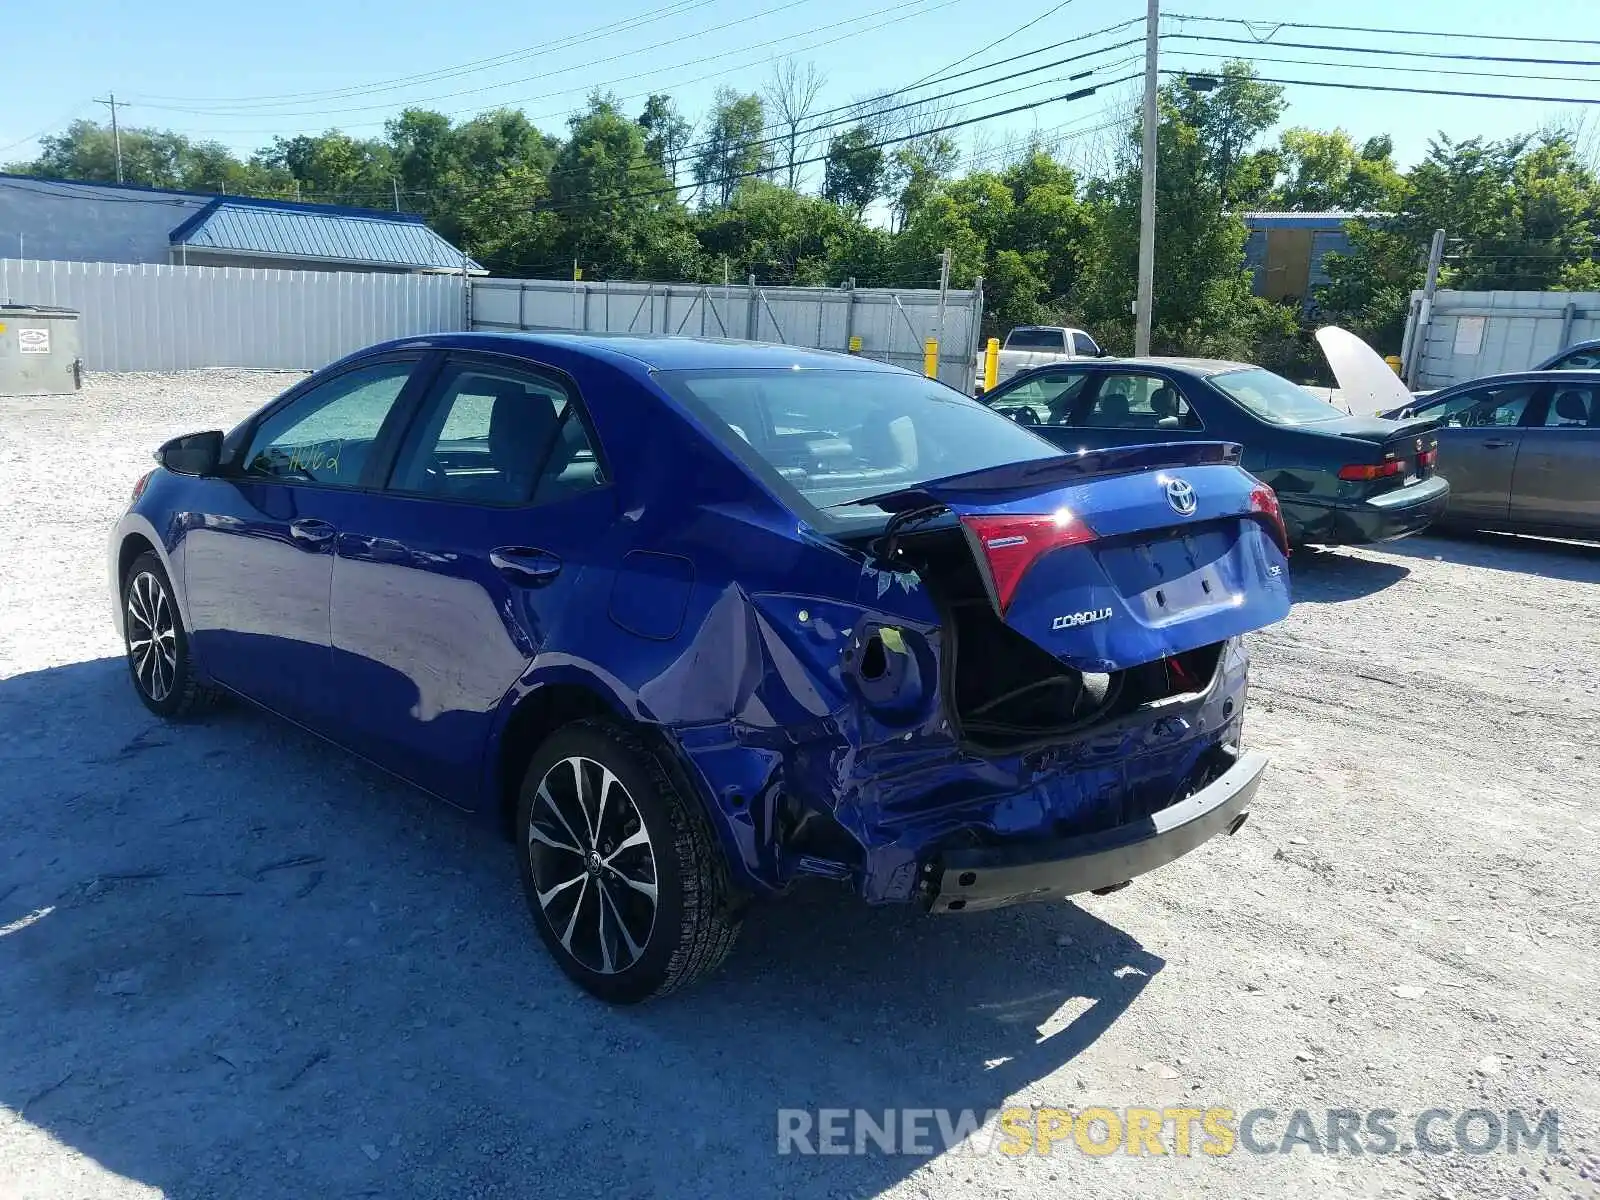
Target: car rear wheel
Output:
[
  {"x": 624, "y": 879},
  {"x": 157, "y": 643}
]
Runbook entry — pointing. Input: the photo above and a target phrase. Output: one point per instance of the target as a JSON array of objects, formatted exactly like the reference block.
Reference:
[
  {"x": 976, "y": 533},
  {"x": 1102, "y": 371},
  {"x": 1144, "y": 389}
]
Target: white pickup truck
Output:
[{"x": 1029, "y": 346}]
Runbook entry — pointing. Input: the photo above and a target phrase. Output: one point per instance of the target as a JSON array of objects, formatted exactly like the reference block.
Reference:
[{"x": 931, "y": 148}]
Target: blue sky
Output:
[{"x": 241, "y": 72}]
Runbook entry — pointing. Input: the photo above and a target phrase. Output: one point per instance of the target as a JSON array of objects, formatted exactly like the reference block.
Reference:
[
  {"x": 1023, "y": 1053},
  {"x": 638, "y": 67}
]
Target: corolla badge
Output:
[
  {"x": 1182, "y": 498},
  {"x": 1073, "y": 620}
]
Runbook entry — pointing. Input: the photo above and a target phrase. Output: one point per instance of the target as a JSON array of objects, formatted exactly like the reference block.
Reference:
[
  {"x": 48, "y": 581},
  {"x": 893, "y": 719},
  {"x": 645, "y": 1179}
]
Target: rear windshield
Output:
[
  {"x": 1273, "y": 398},
  {"x": 824, "y": 439},
  {"x": 1036, "y": 339}
]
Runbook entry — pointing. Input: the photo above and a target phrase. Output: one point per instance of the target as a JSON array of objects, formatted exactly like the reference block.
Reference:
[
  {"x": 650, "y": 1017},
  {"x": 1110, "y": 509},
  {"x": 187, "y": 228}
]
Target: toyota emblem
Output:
[{"x": 1181, "y": 496}]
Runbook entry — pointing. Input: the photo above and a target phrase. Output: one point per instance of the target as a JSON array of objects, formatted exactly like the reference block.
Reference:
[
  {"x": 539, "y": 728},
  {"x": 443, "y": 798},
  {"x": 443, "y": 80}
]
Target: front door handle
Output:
[
  {"x": 375, "y": 549},
  {"x": 525, "y": 564},
  {"x": 1497, "y": 443},
  {"x": 311, "y": 532}
]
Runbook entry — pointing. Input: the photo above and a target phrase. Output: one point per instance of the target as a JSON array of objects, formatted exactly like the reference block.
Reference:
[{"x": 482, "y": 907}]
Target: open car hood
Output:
[{"x": 1369, "y": 384}]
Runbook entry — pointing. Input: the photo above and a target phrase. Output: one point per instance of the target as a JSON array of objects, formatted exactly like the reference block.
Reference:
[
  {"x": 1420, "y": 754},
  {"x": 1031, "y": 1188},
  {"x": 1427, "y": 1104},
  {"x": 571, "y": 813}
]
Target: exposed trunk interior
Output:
[{"x": 1005, "y": 690}]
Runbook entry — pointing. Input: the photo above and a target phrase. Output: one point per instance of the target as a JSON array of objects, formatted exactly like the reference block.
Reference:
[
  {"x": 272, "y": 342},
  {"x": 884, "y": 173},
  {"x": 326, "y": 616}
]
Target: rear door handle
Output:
[
  {"x": 525, "y": 564},
  {"x": 1498, "y": 443},
  {"x": 311, "y": 531}
]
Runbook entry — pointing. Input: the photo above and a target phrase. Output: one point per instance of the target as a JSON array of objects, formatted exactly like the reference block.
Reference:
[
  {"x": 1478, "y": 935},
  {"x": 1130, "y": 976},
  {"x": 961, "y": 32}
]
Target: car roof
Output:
[
  {"x": 1193, "y": 366},
  {"x": 1590, "y": 377},
  {"x": 653, "y": 352}
]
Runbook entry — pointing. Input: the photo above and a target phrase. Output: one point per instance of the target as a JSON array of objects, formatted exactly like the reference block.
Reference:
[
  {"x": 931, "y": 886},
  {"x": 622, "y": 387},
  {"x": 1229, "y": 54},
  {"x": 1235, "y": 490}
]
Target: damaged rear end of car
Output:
[{"x": 1016, "y": 682}]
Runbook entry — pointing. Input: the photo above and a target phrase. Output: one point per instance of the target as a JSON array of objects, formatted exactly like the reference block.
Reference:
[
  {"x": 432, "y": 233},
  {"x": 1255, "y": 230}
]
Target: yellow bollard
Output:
[
  {"x": 855, "y": 344},
  {"x": 930, "y": 358},
  {"x": 1394, "y": 362},
  {"x": 991, "y": 364}
]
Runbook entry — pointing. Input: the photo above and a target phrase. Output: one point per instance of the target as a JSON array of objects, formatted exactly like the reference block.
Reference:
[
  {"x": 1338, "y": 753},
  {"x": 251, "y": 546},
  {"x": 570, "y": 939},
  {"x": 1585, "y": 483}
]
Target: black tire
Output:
[
  {"x": 694, "y": 919},
  {"x": 160, "y": 666}
]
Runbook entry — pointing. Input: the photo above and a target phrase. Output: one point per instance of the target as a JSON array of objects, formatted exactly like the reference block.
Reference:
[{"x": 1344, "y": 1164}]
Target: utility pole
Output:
[
  {"x": 116, "y": 132},
  {"x": 396, "y": 184},
  {"x": 1147, "y": 189},
  {"x": 944, "y": 287}
]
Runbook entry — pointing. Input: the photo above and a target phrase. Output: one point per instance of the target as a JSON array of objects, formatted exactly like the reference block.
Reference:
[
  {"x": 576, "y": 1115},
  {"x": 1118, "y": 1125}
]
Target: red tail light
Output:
[
  {"x": 1361, "y": 472},
  {"x": 1011, "y": 544},
  {"x": 1428, "y": 457},
  {"x": 138, "y": 488},
  {"x": 1264, "y": 500}
]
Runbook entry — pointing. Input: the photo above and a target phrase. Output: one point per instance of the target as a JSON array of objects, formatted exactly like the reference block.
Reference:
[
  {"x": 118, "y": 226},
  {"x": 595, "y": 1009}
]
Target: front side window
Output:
[
  {"x": 325, "y": 436},
  {"x": 825, "y": 439},
  {"x": 1482, "y": 407},
  {"x": 497, "y": 435},
  {"x": 1045, "y": 399},
  {"x": 1083, "y": 344},
  {"x": 1272, "y": 398},
  {"x": 1128, "y": 401}
]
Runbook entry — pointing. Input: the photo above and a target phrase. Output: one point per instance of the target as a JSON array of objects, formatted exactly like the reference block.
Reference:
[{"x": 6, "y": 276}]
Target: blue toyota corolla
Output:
[{"x": 697, "y": 619}]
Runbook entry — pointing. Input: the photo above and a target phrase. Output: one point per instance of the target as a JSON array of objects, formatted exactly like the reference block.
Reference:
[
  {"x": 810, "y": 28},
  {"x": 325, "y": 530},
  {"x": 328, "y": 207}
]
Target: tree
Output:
[
  {"x": 732, "y": 148},
  {"x": 852, "y": 174},
  {"x": 1520, "y": 214},
  {"x": 1323, "y": 171},
  {"x": 617, "y": 214},
  {"x": 791, "y": 95},
  {"x": 155, "y": 158},
  {"x": 333, "y": 168},
  {"x": 917, "y": 166},
  {"x": 1207, "y": 163},
  {"x": 666, "y": 133}
]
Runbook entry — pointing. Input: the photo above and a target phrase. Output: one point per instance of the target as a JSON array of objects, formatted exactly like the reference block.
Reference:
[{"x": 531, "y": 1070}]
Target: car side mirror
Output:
[
  {"x": 1169, "y": 423},
  {"x": 192, "y": 454}
]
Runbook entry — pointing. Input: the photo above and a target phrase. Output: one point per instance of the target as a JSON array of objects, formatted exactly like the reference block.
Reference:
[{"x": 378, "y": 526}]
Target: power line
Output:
[
  {"x": 1410, "y": 70},
  {"x": 591, "y": 86},
  {"x": 1006, "y": 37},
  {"x": 555, "y": 173},
  {"x": 677, "y": 8},
  {"x": 1374, "y": 87},
  {"x": 248, "y": 110},
  {"x": 673, "y": 189},
  {"x": 1432, "y": 33},
  {"x": 1440, "y": 54}
]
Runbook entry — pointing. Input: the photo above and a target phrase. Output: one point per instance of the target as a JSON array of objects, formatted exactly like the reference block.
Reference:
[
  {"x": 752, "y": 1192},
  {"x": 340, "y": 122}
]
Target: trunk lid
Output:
[
  {"x": 1114, "y": 558},
  {"x": 1385, "y": 454}
]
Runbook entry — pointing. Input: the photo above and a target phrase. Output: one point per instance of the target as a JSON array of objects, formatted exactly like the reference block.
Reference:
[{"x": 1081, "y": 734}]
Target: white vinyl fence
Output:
[
  {"x": 892, "y": 324},
  {"x": 1467, "y": 335},
  {"x": 147, "y": 317}
]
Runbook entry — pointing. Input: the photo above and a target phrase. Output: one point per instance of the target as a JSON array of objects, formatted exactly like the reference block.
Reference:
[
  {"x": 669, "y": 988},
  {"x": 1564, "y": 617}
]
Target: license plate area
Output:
[{"x": 1174, "y": 576}]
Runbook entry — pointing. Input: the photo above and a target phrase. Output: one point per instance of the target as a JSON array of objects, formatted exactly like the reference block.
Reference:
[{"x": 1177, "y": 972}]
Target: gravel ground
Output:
[{"x": 236, "y": 963}]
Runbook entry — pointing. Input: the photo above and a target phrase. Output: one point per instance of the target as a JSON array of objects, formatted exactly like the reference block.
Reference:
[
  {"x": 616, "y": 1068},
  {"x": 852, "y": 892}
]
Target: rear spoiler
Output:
[{"x": 1032, "y": 474}]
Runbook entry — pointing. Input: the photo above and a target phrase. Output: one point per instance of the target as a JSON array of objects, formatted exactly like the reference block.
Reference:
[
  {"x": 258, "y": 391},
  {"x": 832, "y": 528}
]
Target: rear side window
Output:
[
  {"x": 1579, "y": 360},
  {"x": 1573, "y": 408},
  {"x": 1127, "y": 401},
  {"x": 1036, "y": 339},
  {"x": 325, "y": 435},
  {"x": 1273, "y": 398},
  {"x": 1483, "y": 407},
  {"x": 493, "y": 435},
  {"x": 825, "y": 439}
]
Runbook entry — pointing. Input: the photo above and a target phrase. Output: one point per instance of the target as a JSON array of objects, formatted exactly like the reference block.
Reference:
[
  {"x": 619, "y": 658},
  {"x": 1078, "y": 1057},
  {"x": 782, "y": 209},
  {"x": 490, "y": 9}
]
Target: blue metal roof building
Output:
[
  {"x": 1287, "y": 251},
  {"x": 102, "y": 222}
]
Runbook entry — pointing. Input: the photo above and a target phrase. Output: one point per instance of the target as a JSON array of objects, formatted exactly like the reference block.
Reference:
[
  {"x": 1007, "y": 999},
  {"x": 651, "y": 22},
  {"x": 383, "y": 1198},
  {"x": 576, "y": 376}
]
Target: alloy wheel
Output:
[
  {"x": 594, "y": 868},
  {"x": 152, "y": 636}
]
